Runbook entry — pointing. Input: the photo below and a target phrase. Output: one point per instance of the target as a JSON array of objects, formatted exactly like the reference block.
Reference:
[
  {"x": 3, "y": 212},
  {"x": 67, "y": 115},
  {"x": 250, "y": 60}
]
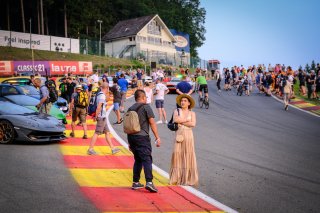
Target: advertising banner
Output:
[
  {"x": 6, "y": 68},
  {"x": 183, "y": 41},
  {"x": 39, "y": 42},
  {"x": 64, "y": 67},
  {"x": 20, "y": 67},
  {"x": 85, "y": 67},
  {"x": 9, "y": 68}
]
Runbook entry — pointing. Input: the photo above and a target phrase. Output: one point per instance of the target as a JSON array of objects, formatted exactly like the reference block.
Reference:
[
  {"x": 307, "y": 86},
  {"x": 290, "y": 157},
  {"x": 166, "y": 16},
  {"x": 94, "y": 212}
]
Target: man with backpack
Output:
[
  {"x": 101, "y": 118},
  {"x": 70, "y": 88},
  {"x": 63, "y": 89},
  {"x": 78, "y": 106},
  {"x": 139, "y": 142},
  {"x": 115, "y": 89},
  {"x": 44, "y": 106}
]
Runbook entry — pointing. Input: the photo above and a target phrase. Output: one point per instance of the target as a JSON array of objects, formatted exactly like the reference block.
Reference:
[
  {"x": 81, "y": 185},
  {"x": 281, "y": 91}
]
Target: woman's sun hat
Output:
[{"x": 191, "y": 100}]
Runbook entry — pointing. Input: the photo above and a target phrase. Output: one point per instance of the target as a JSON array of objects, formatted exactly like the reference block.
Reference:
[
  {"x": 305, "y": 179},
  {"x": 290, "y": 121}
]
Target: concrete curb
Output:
[{"x": 166, "y": 175}]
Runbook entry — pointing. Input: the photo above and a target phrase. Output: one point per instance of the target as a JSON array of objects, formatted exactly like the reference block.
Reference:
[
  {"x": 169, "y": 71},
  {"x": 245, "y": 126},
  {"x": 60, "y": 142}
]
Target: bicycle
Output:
[{"x": 203, "y": 101}]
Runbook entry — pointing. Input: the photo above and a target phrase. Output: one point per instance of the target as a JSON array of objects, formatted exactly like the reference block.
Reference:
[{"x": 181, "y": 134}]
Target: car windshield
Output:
[
  {"x": 23, "y": 100},
  {"x": 29, "y": 90},
  {"x": 7, "y": 108},
  {"x": 175, "y": 80},
  {"x": 20, "y": 81}
]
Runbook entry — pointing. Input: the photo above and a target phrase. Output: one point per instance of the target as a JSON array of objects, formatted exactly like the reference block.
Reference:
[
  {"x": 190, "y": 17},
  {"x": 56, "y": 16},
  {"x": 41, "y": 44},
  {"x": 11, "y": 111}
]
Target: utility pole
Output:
[
  {"x": 30, "y": 31},
  {"x": 100, "y": 22},
  {"x": 42, "y": 21}
]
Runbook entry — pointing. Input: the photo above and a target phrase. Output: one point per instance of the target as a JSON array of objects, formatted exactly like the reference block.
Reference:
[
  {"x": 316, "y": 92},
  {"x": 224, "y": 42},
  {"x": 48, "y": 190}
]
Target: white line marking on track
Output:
[
  {"x": 166, "y": 175},
  {"x": 310, "y": 113}
]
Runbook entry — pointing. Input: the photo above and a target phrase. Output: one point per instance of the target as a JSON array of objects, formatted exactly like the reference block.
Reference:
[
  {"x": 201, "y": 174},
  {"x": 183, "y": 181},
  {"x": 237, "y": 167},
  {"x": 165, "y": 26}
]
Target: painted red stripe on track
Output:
[
  {"x": 297, "y": 102},
  {"x": 99, "y": 162},
  {"x": 168, "y": 199},
  {"x": 86, "y": 142},
  {"x": 312, "y": 108},
  {"x": 90, "y": 127}
]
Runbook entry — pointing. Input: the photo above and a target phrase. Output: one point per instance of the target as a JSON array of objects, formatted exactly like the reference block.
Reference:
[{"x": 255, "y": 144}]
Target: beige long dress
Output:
[{"x": 184, "y": 169}]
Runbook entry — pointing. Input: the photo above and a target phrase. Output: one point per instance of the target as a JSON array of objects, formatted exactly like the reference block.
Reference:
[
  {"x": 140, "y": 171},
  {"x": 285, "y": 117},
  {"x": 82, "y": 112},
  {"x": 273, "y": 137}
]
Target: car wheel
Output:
[{"x": 7, "y": 133}]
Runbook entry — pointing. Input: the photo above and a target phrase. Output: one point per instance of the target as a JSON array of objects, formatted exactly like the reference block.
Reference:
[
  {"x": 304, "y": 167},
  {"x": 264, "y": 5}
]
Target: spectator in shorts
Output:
[
  {"x": 115, "y": 89},
  {"x": 101, "y": 118},
  {"x": 139, "y": 77},
  {"x": 44, "y": 106},
  {"x": 78, "y": 112},
  {"x": 123, "y": 83},
  {"x": 161, "y": 90}
]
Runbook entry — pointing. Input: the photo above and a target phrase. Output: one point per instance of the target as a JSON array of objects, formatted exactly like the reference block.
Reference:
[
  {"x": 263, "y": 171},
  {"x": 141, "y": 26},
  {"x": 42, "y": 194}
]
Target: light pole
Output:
[
  {"x": 100, "y": 21},
  {"x": 183, "y": 54},
  {"x": 30, "y": 31}
]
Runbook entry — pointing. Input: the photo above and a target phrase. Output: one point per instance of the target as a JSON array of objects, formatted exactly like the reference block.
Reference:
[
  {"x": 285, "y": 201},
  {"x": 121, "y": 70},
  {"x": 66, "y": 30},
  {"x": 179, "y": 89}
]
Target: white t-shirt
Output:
[
  {"x": 95, "y": 78},
  {"x": 101, "y": 98},
  {"x": 161, "y": 88},
  {"x": 160, "y": 74},
  {"x": 149, "y": 95}
]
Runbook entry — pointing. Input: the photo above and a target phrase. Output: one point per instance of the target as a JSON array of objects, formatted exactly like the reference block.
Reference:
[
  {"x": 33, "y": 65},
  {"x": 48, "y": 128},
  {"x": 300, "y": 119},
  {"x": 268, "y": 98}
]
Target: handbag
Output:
[{"x": 172, "y": 125}]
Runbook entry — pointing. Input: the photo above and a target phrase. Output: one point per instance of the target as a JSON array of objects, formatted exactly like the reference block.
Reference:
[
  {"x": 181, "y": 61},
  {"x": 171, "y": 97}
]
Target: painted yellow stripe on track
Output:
[
  {"x": 79, "y": 134},
  {"x": 101, "y": 150},
  {"x": 89, "y": 121},
  {"x": 111, "y": 177},
  {"x": 304, "y": 105}
]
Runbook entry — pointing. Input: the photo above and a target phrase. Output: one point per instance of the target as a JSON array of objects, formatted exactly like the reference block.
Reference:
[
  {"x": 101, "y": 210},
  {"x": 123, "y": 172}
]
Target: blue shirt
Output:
[
  {"x": 118, "y": 74},
  {"x": 184, "y": 87},
  {"x": 139, "y": 75},
  {"x": 123, "y": 83}
]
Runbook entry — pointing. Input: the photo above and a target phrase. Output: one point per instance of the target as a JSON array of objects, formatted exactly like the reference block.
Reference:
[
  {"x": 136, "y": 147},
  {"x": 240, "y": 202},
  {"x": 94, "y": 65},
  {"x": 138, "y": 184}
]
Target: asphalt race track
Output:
[{"x": 252, "y": 155}]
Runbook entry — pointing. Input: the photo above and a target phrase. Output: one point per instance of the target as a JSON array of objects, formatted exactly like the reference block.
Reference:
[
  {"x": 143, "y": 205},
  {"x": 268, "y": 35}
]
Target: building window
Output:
[{"x": 154, "y": 28}]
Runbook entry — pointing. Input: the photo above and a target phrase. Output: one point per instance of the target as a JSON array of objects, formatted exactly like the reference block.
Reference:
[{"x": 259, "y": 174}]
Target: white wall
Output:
[
  {"x": 114, "y": 48},
  {"x": 38, "y": 42}
]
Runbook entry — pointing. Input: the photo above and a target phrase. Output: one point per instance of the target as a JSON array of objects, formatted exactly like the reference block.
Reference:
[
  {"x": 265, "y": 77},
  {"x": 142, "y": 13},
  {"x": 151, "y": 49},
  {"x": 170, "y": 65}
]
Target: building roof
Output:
[{"x": 127, "y": 27}]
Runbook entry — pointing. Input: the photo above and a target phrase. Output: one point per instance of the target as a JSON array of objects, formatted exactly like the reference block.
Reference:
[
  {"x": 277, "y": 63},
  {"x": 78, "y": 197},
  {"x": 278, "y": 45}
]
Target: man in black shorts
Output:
[{"x": 203, "y": 86}]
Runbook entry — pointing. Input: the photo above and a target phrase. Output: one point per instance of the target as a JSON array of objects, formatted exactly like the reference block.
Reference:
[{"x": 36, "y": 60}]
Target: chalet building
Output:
[{"x": 145, "y": 38}]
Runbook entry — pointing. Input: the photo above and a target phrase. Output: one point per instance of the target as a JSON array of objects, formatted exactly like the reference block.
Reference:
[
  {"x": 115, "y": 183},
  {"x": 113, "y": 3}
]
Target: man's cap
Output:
[{"x": 79, "y": 87}]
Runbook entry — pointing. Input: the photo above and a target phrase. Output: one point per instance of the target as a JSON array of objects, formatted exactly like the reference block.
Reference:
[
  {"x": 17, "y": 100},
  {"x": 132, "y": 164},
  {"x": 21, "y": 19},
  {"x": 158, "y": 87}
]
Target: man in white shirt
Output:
[
  {"x": 161, "y": 90},
  {"x": 101, "y": 118},
  {"x": 95, "y": 78}
]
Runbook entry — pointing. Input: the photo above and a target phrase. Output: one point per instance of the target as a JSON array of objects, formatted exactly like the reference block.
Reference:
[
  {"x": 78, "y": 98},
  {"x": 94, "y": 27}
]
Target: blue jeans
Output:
[{"x": 141, "y": 149}]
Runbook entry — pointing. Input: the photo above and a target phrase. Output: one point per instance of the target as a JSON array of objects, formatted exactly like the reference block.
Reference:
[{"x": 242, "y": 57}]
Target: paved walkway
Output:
[{"x": 106, "y": 180}]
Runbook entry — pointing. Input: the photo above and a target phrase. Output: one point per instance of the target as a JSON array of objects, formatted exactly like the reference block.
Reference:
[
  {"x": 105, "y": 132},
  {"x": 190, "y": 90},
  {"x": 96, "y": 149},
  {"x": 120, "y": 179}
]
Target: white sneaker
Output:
[
  {"x": 159, "y": 122},
  {"x": 166, "y": 122}
]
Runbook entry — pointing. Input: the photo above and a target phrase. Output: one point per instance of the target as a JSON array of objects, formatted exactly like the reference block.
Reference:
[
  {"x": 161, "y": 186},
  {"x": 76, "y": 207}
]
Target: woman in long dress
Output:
[{"x": 184, "y": 169}]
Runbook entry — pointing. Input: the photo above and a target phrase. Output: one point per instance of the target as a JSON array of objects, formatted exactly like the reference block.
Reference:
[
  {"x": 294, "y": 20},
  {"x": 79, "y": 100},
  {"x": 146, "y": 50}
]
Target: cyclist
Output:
[{"x": 202, "y": 82}]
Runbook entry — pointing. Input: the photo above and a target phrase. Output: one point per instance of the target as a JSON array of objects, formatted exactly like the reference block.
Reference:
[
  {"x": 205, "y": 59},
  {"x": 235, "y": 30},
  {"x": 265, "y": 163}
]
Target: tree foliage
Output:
[{"x": 183, "y": 15}]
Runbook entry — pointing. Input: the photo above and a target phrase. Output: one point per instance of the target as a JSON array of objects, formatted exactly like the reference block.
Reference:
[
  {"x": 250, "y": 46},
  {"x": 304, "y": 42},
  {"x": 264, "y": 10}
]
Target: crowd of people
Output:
[
  {"x": 277, "y": 79},
  {"x": 83, "y": 93}
]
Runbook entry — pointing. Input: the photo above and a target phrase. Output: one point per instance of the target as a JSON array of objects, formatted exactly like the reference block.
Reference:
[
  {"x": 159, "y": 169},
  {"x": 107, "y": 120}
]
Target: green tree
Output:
[
  {"x": 313, "y": 65},
  {"x": 307, "y": 68}
]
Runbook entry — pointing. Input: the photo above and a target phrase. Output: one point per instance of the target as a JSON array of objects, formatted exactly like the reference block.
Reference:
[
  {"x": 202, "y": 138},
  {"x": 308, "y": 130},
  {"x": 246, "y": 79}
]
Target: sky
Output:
[{"x": 248, "y": 32}]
